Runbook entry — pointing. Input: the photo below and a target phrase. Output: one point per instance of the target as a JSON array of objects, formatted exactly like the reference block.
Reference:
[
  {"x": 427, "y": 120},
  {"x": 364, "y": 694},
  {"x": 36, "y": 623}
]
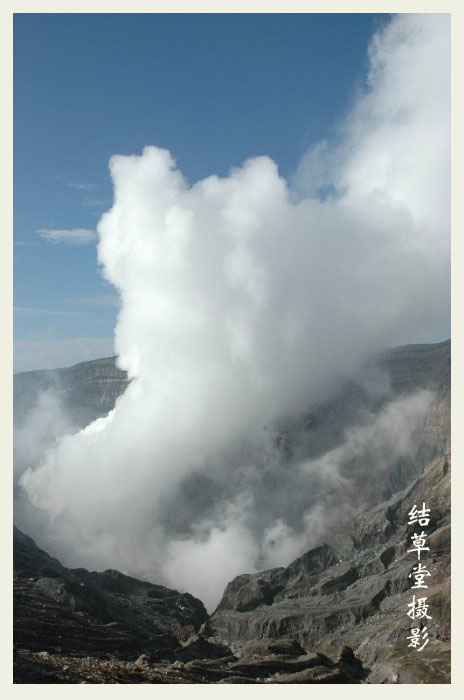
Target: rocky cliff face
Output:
[
  {"x": 87, "y": 390},
  {"x": 354, "y": 591},
  {"x": 59, "y": 610},
  {"x": 75, "y": 626}
]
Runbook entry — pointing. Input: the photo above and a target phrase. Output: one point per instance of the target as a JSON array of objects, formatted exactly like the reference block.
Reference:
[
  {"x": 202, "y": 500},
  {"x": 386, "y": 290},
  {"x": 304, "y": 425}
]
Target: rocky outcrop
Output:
[
  {"x": 262, "y": 665},
  {"x": 354, "y": 591},
  {"x": 248, "y": 591},
  {"x": 87, "y": 390},
  {"x": 60, "y": 610},
  {"x": 76, "y": 626}
]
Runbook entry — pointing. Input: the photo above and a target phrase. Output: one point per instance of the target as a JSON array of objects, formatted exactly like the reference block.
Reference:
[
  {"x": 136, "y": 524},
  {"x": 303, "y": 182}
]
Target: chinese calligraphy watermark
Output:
[{"x": 418, "y": 607}]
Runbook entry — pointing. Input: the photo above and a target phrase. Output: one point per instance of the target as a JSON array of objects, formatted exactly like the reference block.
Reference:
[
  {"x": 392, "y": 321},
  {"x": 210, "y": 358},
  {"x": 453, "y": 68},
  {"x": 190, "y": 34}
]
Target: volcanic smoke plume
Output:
[{"x": 244, "y": 300}]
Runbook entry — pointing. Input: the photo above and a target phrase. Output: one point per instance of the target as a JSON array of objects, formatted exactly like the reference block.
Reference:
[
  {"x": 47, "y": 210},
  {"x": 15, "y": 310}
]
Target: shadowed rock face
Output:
[
  {"x": 60, "y": 610},
  {"x": 197, "y": 662}
]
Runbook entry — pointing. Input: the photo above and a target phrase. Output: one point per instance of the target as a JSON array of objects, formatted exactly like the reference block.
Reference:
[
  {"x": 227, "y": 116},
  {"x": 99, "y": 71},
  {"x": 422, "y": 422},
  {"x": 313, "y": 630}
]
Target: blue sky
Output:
[{"x": 213, "y": 89}]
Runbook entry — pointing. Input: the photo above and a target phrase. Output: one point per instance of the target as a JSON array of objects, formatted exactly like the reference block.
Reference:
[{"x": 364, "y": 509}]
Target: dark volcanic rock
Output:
[
  {"x": 198, "y": 647},
  {"x": 80, "y": 612},
  {"x": 76, "y": 626},
  {"x": 167, "y": 608},
  {"x": 32, "y": 667},
  {"x": 248, "y": 591},
  {"x": 29, "y": 560}
]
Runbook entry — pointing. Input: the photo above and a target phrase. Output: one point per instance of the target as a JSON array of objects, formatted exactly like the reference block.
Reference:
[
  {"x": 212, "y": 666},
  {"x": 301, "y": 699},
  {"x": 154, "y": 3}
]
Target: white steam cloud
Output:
[{"x": 242, "y": 302}]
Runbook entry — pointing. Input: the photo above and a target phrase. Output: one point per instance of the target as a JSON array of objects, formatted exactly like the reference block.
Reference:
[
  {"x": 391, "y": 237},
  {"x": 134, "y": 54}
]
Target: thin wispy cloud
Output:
[
  {"x": 25, "y": 243},
  {"x": 83, "y": 185},
  {"x": 30, "y": 310},
  {"x": 94, "y": 203},
  {"x": 74, "y": 236}
]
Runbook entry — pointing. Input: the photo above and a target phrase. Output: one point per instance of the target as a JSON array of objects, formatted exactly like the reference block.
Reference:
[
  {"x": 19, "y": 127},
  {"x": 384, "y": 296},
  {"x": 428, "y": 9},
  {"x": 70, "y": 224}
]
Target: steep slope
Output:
[
  {"x": 81, "y": 612},
  {"x": 87, "y": 390},
  {"x": 354, "y": 591},
  {"x": 74, "y": 626},
  {"x": 413, "y": 366}
]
